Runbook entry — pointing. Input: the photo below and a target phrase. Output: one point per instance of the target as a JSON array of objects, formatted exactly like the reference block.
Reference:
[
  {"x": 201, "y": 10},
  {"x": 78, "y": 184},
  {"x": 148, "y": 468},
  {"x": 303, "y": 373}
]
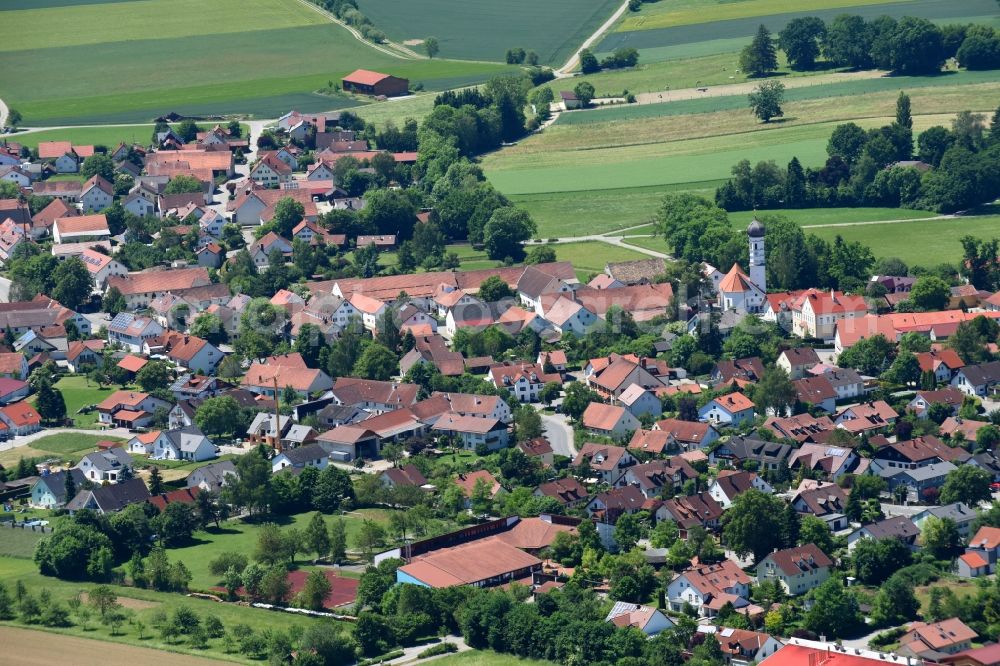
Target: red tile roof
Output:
[
  {"x": 365, "y": 77},
  {"x": 21, "y": 414}
]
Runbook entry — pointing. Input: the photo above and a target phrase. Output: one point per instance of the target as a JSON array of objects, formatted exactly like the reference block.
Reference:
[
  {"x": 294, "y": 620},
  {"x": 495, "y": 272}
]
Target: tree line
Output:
[{"x": 957, "y": 168}]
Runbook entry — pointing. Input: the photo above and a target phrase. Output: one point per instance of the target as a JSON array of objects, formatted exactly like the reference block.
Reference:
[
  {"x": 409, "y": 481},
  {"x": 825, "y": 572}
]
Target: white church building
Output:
[{"x": 742, "y": 292}]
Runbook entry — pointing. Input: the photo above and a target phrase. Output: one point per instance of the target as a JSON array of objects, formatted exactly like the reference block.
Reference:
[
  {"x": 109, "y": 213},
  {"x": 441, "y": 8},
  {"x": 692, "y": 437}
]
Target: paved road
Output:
[
  {"x": 574, "y": 60},
  {"x": 25, "y": 440},
  {"x": 3, "y": 113},
  {"x": 559, "y": 434}
]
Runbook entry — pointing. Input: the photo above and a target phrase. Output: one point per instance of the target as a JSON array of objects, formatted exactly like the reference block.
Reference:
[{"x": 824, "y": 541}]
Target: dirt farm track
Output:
[{"x": 23, "y": 647}]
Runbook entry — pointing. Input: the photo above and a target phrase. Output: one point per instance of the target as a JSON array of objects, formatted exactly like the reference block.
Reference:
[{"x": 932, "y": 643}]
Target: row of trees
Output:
[
  {"x": 863, "y": 169},
  {"x": 908, "y": 46}
]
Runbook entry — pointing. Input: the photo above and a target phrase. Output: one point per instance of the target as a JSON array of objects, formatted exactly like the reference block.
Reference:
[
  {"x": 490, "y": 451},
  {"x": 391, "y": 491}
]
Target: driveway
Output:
[
  {"x": 25, "y": 440},
  {"x": 559, "y": 433}
]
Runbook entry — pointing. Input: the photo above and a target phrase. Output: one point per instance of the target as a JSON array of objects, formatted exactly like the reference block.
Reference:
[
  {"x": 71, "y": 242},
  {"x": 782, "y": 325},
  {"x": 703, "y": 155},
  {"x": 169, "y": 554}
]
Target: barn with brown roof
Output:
[{"x": 366, "y": 82}]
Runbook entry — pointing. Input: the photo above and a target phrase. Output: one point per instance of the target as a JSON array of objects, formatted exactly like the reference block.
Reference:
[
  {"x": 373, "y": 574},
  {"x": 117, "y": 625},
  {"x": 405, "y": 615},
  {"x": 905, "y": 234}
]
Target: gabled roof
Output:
[
  {"x": 365, "y": 77},
  {"x": 736, "y": 281},
  {"x": 801, "y": 559},
  {"x": 734, "y": 402},
  {"x": 566, "y": 491},
  {"x": 987, "y": 538},
  {"x": 601, "y": 457},
  {"x": 598, "y": 416}
]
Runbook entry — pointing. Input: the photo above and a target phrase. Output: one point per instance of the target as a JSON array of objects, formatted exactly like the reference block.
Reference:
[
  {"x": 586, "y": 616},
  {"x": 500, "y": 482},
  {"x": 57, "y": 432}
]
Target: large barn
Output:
[{"x": 366, "y": 82}]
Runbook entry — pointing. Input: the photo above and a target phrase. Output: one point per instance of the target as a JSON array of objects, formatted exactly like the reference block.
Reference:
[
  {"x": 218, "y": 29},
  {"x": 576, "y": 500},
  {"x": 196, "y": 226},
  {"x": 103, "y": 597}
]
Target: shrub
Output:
[{"x": 440, "y": 648}]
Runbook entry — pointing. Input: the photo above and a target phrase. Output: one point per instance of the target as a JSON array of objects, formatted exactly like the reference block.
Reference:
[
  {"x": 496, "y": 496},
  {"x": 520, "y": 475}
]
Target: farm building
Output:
[{"x": 366, "y": 82}]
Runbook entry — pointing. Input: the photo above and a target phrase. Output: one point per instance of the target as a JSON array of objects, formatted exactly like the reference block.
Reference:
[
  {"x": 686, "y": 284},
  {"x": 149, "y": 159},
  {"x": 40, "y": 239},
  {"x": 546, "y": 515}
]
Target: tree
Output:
[
  {"x": 766, "y": 100},
  {"x": 584, "y": 92},
  {"x": 376, "y": 362},
  {"x": 287, "y": 214},
  {"x": 834, "y": 612},
  {"x": 389, "y": 212},
  {"x": 506, "y": 229},
  {"x": 155, "y": 481},
  {"x": 72, "y": 283},
  {"x": 98, "y": 164},
  {"x": 333, "y": 487},
  {"x": 904, "y": 117},
  {"x": 895, "y": 603},
  {"x": 14, "y": 117},
  {"x": 876, "y": 559},
  {"x": 577, "y": 397},
  {"x": 813, "y": 530},
  {"x": 50, "y": 404},
  {"x": 775, "y": 391},
  {"x": 176, "y": 524},
  {"x": 274, "y": 587},
  {"x": 208, "y": 326},
  {"x": 968, "y": 484},
  {"x": 800, "y": 41},
  {"x": 316, "y": 590},
  {"x": 759, "y": 57},
  {"x": 431, "y": 46},
  {"x": 915, "y": 46},
  {"x": 154, "y": 376},
  {"x": 183, "y": 185},
  {"x": 187, "y": 130},
  {"x": 338, "y": 541},
  {"x": 316, "y": 536},
  {"x": 219, "y": 416},
  {"x": 588, "y": 62},
  {"x": 114, "y": 302},
  {"x": 628, "y": 530},
  {"x": 940, "y": 537},
  {"x": 753, "y": 524},
  {"x": 494, "y": 289},
  {"x": 904, "y": 370},
  {"x": 930, "y": 293},
  {"x": 103, "y": 599},
  {"x": 370, "y": 536}
]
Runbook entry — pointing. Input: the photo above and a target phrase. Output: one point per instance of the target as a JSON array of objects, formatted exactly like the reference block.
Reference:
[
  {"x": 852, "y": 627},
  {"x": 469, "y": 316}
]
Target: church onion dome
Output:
[{"x": 756, "y": 229}]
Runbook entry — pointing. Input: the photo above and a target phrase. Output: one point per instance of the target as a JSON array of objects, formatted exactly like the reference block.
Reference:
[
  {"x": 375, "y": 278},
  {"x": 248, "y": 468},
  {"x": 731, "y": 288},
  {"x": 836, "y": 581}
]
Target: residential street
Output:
[{"x": 559, "y": 433}]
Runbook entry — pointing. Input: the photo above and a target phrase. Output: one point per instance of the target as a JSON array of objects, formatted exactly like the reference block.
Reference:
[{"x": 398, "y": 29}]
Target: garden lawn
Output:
[
  {"x": 241, "y": 537},
  {"x": 17, "y": 542},
  {"x": 248, "y": 64},
  {"x": 484, "y": 30},
  {"x": 487, "y": 658},
  {"x": 78, "y": 392},
  {"x": 590, "y": 257},
  {"x": 109, "y": 136},
  {"x": 70, "y": 442},
  {"x": 144, "y": 603},
  {"x": 920, "y": 242}
]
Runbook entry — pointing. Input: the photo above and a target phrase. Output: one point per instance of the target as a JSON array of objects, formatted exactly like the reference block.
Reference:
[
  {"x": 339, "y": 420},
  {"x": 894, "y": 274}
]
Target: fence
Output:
[{"x": 23, "y": 525}]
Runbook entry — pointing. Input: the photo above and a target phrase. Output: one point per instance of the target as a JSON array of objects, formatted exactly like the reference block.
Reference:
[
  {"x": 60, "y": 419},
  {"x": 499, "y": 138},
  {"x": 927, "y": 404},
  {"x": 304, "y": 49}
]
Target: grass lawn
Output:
[
  {"x": 920, "y": 242},
  {"x": 78, "y": 392},
  {"x": 18, "y": 542},
  {"x": 686, "y": 12},
  {"x": 814, "y": 216},
  {"x": 241, "y": 537},
  {"x": 590, "y": 257},
  {"x": 484, "y": 30},
  {"x": 253, "y": 65},
  {"x": 143, "y": 603},
  {"x": 649, "y": 242},
  {"x": 69, "y": 442},
  {"x": 397, "y": 110},
  {"x": 109, "y": 136},
  {"x": 487, "y": 658}
]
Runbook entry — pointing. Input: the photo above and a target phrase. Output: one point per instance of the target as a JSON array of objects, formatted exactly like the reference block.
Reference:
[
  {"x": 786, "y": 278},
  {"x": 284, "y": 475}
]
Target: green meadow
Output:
[
  {"x": 484, "y": 30},
  {"x": 236, "y": 61}
]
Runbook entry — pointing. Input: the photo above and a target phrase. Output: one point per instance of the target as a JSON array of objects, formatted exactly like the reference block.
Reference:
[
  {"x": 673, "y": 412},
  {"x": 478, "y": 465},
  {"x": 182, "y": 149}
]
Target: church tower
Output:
[{"x": 755, "y": 234}]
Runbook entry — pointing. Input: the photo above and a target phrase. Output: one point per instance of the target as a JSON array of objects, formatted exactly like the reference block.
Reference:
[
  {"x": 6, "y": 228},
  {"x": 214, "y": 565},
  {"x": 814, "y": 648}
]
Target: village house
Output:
[
  {"x": 922, "y": 401},
  {"x": 801, "y": 427},
  {"x": 611, "y": 421},
  {"x": 897, "y": 527},
  {"x": 731, "y": 483},
  {"x": 63, "y": 155},
  {"x": 567, "y": 491},
  {"x": 689, "y": 435},
  {"x": 959, "y": 513},
  {"x": 932, "y": 640},
  {"x": 650, "y": 621},
  {"x": 708, "y": 587},
  {"x": 658, "y": 476},
  {"x": 286, "y": 371},
  {"x": 944, "y": 364},
  {"x": 826, "y": 501},
  {"x": 376, "y": 397},
  {"x": 523, "y": 380},
  {"x": 829, "y": 462},
  {"x": 188, "y": 443},
  {"x": 49, "y": 492},
  {"x": 798, "y": 361},
  {"x": 140, "y": 289},
  {"x": 107, "y": 466},
  {"x": 798, "y": 569},
  {"x": 398, "y": 477},
  {"x": 97, "y": 194},
  {"x": 977, "y": 380},
  {"x": 311, "y": 455},
  {"x": 109, "y": 499},
  {"x": 870, "y": 417},
  {"x": 132, "y": 331},
  {"x": 81, "y": 228},
  {"x": 765, "y": 455},
  {"x": 473, "y": 432},
  {"x": 607, "y": 463},
  {"x": 129, "y": 409},
  {"x": 732, "y": 409},
  {"x": 700, "y": 510}
]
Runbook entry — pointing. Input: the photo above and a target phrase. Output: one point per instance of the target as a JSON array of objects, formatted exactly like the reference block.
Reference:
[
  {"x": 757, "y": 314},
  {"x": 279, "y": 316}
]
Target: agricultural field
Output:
[
  {"x": 716, "y": 26},
  {"x": 33, "y": 647},
  {"x": 484, "y": 30},
  {"x": 918, "y": 242},
  {"x": 123, "y": 648},
  {"x": 244, "y": 60},
  {"x": 612, "y": 167}
]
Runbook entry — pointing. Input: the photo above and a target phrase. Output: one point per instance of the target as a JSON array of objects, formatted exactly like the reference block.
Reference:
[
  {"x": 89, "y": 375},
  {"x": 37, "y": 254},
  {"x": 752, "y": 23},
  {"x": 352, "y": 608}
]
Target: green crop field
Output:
[
  {"x": 700, "y": 22},
  {"x": 687, "y": 12},
  {"x": 484, "y": 30},
  {"x": 920, "y": 242},
  {"x": 244, "y": 63}
]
